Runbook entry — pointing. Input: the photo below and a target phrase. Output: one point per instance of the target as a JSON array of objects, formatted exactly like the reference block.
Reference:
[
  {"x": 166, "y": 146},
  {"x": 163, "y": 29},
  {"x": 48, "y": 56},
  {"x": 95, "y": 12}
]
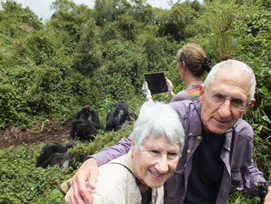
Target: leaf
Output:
[
  {"x": 260, "y": 127},
  {"x": 265, "y": 118}
]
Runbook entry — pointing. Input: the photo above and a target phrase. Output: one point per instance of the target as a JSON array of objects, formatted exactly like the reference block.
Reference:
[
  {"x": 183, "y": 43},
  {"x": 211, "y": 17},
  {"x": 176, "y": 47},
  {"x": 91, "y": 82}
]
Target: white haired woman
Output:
[{"x": 138, "y": 176}]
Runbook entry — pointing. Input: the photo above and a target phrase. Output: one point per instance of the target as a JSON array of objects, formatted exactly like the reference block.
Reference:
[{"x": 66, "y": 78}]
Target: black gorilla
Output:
[
  {"x": 121, "y": 115},
  {"x": 55, "y": 153},
  {"x": 85, "y": 124}
]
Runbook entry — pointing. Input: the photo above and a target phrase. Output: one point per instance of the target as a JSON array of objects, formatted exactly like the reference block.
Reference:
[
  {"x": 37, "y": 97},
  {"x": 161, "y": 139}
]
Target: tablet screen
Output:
[{"x": 156, "y": 82}]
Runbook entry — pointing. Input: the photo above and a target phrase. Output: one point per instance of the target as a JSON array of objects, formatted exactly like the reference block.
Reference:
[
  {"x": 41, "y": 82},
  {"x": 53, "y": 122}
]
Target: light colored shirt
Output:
[{"x": 116, "y": 184}]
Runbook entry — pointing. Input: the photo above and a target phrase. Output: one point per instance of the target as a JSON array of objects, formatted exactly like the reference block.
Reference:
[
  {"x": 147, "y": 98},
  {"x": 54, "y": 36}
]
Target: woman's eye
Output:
[
  {"x": 172, "y": 155},
  {"x": 155, "y": 152}
]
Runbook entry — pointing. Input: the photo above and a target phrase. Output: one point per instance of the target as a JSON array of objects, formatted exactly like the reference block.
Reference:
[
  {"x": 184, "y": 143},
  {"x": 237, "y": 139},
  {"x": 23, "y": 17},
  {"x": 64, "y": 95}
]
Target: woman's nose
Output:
[{"x": 162, "y": 165}]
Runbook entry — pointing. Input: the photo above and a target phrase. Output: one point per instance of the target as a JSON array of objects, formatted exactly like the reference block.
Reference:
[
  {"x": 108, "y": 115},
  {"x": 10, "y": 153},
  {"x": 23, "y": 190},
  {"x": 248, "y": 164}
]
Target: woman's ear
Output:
[
  {"x": 132, "y": 146},
  {"x": 183, "y": 64}
]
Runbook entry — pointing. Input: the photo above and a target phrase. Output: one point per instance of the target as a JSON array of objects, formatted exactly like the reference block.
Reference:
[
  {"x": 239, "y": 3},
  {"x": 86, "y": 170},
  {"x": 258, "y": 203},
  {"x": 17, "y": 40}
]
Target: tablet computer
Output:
[{"x": 156, "y": 82}]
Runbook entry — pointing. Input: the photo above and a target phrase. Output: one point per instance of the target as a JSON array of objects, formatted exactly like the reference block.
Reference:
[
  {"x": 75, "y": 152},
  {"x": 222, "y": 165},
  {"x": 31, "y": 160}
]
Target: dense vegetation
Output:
[{"x": 97, "y": 56}]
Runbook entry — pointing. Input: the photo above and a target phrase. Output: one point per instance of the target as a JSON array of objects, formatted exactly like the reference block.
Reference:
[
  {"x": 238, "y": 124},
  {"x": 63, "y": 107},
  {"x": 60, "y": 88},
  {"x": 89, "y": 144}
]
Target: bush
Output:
[{"x": 22, "y": 182}]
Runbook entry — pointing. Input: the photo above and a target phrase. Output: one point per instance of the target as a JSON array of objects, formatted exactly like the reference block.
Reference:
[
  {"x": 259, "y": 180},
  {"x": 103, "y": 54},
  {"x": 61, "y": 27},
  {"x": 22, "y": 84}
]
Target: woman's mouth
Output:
[{"x": 155, "y": 174}]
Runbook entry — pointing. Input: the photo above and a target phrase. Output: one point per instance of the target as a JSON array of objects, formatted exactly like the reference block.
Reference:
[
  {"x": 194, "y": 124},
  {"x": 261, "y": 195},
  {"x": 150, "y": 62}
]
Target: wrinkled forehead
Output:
[
  {"x": 232, "y": 69},
  {"x": 230, "y": 75},
  {"x": 231, "y": 80}
]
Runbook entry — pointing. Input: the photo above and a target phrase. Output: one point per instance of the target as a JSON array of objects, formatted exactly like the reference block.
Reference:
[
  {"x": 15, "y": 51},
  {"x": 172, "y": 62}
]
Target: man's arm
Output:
[
  {"x": 109, "y": 153},
  {"x": 89, "y": 171},
  {"x": 78, "y": 193}
]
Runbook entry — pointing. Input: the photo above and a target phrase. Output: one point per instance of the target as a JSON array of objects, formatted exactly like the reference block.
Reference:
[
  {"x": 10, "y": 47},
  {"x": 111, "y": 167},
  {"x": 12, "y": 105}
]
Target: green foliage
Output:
[
  {"x": 98, "y": 57},
  {"x": 22, "y": 182},
  {"x": 177, "y": 22},
  {"x": 16, "y": 21},
  {"x": 216, "y": 25},
  {"x": 241, "y": 198}
]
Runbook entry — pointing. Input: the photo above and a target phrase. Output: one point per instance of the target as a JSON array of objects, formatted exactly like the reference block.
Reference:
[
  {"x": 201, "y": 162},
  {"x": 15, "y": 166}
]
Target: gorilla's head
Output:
[
  {"x": 86, "y": 112},
  {"x": 122, "y": 110}
]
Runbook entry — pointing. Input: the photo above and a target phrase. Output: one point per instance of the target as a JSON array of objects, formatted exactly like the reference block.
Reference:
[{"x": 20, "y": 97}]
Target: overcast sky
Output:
[{"x": 42, "y": 7}]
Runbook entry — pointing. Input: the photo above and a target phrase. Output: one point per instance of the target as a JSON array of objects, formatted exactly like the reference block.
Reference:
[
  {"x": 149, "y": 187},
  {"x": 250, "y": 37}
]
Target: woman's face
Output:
[{"x": 157, "y": 161}]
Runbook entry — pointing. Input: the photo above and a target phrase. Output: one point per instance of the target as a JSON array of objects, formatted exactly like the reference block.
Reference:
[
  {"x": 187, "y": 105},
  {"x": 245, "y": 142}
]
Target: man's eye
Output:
[
  {"x": 219, "y": 96},
  {"x": 237, "y": 102}
]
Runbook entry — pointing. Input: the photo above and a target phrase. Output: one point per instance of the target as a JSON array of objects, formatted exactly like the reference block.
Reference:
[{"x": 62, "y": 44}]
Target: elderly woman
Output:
[{"x": 138, "y": 176}]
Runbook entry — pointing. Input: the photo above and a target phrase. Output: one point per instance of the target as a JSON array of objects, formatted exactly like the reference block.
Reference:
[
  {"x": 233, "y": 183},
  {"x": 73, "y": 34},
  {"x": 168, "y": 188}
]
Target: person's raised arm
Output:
[
  {"x": 88, "y": 172},
  {"x": 170, "y": 88},
  {"x": 146, "y": 92}
]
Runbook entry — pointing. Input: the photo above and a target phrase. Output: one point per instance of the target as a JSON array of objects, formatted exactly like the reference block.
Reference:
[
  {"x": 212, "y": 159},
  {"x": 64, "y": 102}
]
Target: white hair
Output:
[
  {"x": 157, "y": 120},
  {"x": 233, "y": 65}
]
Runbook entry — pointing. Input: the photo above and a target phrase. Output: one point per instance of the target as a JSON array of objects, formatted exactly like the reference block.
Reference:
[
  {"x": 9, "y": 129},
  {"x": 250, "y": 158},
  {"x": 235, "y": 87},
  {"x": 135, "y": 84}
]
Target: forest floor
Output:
[{"x": 48, "y": 133}]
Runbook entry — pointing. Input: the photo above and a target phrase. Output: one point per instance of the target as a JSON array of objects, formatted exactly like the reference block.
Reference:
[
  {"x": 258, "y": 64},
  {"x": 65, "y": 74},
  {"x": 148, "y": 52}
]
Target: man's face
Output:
[{"x": 218, "y": 119}]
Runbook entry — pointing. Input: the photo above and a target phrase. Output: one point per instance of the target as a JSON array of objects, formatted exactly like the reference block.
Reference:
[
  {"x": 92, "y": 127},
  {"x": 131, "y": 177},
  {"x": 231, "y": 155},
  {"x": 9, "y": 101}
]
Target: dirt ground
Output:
[{"x": 49, "y": 132}]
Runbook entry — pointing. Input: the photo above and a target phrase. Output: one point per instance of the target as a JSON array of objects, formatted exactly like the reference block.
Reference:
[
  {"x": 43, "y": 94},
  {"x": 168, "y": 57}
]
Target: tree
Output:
[
  {"x": 217, "y": 26},
  {"x": 16, "y": 21},
  {"x": 178, "y": 22}
]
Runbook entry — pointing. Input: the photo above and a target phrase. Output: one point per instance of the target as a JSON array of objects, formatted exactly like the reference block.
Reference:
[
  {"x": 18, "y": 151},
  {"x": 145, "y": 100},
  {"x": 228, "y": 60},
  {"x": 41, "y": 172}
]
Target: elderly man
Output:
[{"x": 217, "y": 156}]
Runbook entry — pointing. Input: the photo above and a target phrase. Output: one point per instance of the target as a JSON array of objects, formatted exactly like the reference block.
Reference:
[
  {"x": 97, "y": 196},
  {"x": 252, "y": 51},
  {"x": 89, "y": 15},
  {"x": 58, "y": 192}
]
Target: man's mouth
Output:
[{"x": 221, "y": 121}]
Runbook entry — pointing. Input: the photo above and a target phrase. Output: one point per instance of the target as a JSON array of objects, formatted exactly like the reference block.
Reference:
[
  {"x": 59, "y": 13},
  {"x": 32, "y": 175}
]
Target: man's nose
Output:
[{"x": 225, "y": 109}]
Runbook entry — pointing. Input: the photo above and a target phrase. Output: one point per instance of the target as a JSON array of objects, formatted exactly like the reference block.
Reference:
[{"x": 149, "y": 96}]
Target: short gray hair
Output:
[
  {"x": 156, "y": 120},
  {"x": 233, "y": 65}
]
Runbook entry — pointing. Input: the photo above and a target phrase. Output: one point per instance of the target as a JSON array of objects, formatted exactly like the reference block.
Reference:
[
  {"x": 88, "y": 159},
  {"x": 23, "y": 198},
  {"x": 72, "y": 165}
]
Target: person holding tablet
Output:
[{"x": 192, "y": 63}]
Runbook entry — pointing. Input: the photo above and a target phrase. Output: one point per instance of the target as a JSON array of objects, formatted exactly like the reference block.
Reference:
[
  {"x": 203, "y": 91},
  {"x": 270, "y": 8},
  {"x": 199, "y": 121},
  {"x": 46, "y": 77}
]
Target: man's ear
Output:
[
  {"x": 201, "y": 93},
  {"x": 251, "y": 103}
]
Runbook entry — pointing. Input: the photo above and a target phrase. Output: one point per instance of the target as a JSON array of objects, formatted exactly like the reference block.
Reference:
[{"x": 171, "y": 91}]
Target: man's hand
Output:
[
  {"x": 267, "y": 199},
  {"x": 78, "y": 193}
]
